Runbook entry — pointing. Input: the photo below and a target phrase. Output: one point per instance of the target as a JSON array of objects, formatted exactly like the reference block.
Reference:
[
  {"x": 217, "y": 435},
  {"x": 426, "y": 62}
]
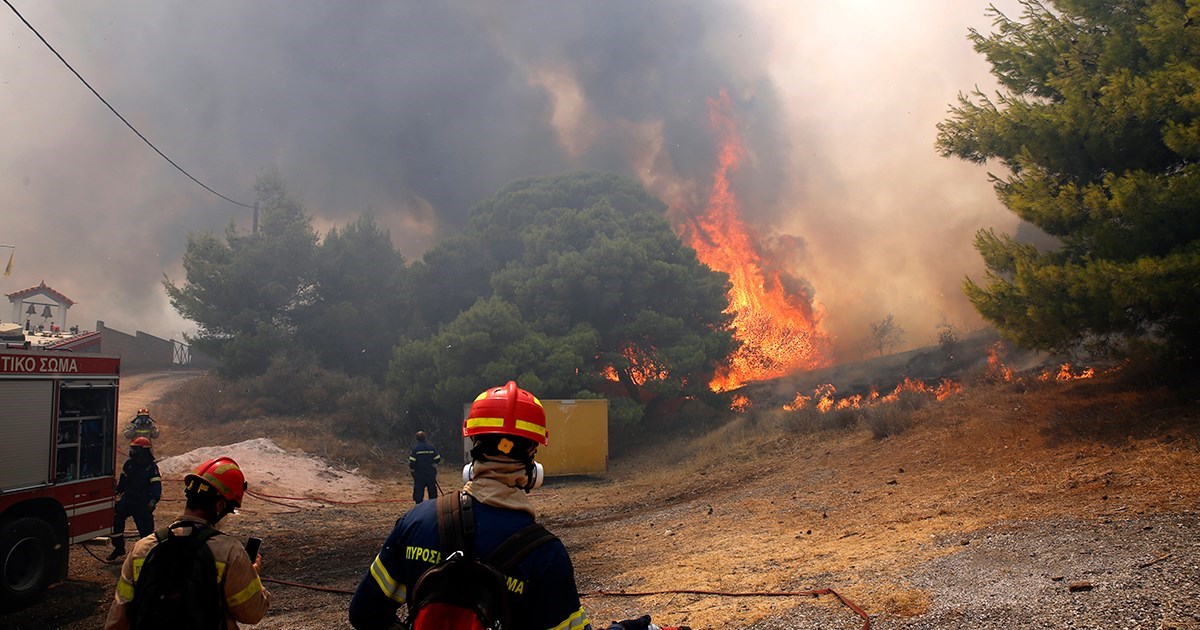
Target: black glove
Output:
[{"x": 641, "y": 623}]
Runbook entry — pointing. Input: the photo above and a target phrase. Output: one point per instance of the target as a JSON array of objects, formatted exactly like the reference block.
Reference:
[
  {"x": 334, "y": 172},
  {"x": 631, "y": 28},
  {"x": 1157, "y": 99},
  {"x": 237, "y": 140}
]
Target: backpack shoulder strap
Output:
[
  {"x": 509, "y": 554},
  {"x": 450, "y": 523},
  {"x": 201, "y": 531},
  {"x": 204, "y": 533}
]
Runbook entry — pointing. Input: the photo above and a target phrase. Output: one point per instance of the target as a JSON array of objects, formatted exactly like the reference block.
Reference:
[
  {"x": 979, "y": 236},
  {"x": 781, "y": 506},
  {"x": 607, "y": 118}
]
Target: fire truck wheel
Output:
[{"x": 28, "y": 560}]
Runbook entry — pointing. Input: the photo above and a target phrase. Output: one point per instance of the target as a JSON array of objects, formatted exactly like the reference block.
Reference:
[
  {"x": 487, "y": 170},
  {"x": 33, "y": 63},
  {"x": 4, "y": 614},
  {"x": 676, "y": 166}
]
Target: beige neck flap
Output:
[{"x": 499, "y": 484}]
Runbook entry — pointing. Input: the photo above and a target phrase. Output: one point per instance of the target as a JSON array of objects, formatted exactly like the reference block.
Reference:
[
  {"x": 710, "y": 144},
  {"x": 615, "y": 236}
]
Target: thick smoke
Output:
[{"x": 417, "y": 110}]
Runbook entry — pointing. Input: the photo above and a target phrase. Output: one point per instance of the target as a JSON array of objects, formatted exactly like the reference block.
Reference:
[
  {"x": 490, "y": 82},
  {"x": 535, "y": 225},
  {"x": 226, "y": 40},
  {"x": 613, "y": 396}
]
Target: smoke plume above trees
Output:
[{"x": 417, "y": 111}]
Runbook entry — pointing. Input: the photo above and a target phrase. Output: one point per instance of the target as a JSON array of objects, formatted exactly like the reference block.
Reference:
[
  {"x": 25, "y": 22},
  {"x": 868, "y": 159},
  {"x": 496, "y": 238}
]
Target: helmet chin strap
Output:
[{"x": 535, "y": 474}]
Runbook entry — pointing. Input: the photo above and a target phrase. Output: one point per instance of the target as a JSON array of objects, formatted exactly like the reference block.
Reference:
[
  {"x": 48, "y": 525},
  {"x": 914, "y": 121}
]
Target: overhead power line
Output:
[{"x": 118, "y": 114}]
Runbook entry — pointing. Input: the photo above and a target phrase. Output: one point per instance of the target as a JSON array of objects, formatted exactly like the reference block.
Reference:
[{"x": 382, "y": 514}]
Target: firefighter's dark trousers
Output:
[
  {"x": 423, "y": 484},
  {"x": 142, "y": 515}
]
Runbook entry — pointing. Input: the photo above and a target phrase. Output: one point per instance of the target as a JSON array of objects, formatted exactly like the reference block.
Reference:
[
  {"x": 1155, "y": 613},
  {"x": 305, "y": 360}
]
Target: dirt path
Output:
[{"x": 143, "y": 390}]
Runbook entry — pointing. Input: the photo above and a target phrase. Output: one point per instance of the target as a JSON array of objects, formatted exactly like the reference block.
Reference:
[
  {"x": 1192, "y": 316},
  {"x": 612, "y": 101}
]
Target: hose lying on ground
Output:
[{"x": 602, "y": 593}]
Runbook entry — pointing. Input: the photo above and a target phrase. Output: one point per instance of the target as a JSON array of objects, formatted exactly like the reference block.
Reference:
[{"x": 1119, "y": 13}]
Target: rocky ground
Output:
[{"x": 1046, "y": 508}]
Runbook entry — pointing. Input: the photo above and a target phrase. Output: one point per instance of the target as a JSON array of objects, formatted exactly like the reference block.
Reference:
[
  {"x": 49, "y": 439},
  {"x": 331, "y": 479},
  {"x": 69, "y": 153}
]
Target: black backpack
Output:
[
  {"x": 462, "y": 591},
  {"x": 177, "y": 587}
]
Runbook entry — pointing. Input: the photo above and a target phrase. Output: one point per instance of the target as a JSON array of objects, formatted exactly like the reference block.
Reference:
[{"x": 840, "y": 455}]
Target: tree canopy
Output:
[
  {"x": 1097, "y": 122},
  {"x": 243, "y": 293},
  {"x": 281, "y": 290},
  {"x": 575, "y": 284}
]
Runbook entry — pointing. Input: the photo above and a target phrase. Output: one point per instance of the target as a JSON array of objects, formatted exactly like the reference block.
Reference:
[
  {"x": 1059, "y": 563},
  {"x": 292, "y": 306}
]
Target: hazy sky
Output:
[{"x": 417, "y": 110}]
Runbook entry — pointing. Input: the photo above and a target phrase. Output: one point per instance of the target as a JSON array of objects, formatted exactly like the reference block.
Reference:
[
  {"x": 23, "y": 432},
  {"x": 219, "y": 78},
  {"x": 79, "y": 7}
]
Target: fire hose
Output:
[
  {"x": 810, "y": 593},
  {"x": 603, "y": 593},
  {"x": 270, "y": 498}
]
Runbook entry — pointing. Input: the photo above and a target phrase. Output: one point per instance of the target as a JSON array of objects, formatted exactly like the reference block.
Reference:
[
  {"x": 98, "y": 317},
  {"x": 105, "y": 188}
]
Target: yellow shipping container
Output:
[{"x": 578, "y": 437}]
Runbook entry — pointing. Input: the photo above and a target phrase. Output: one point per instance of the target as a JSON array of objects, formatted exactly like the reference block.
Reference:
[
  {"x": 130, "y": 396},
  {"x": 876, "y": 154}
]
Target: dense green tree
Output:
[
  {"x": 243, "y": 293},
  {"x": 488, "y": 344},
  {"x": 1098, "y": 123},
  {"x": 583, "y": 274},
  {"x": 361, "y": 304}
]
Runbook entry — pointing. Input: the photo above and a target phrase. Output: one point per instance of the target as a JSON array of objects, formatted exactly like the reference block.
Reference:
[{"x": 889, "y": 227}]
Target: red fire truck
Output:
[{"x": 58, "y": 430}]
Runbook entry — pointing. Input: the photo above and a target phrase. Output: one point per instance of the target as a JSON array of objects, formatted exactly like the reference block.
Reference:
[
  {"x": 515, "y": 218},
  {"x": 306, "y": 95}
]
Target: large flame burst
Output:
[{"x": 779, "y": 329}]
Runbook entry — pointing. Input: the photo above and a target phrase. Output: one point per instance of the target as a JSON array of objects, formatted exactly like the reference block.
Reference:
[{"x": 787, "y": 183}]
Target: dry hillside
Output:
[{"x": 1051, "y": 504}]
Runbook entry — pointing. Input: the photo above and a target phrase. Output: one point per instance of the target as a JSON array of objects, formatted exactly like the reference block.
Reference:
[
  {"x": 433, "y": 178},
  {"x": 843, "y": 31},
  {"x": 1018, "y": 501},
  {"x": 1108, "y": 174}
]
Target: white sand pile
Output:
[{"x": 272, "y": 470}]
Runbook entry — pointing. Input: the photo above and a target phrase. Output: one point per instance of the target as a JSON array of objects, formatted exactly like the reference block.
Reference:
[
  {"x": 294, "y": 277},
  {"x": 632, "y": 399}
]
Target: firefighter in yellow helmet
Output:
[
  {"x": 142, "y": 425},
  {"x": 506, "y": 425}
]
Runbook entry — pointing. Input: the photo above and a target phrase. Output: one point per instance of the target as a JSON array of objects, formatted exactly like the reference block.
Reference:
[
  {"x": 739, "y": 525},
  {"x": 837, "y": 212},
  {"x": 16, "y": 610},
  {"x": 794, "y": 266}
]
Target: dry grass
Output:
[
  {"x": 840, "y": 508},
  {"x": 779, "y": 501}
]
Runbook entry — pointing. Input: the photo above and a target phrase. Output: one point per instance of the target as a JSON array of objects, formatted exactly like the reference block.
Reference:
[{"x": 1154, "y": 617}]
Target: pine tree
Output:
[{"x": 1097, "y": 122}]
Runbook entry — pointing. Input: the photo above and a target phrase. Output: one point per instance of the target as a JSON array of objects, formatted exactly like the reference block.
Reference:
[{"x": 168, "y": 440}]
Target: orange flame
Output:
[
  {"x": 779, "y": 328},
  {"x": 642, "y": 367},
  {"x": 996, "y": 371},
  {"x": 827, "y": 400},
  {"x": 1065, "y": 374}
]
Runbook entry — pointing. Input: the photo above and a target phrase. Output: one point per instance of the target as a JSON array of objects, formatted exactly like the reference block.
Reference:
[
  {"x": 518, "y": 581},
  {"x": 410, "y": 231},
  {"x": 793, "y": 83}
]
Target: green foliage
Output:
[
  {"x": 1098, "y": 123},
  {"x": 556, "y": 283},
  {"x": 553, "y": 281},
  {"x": 257, "y": 297},
  {"x": 243, "y": 293},
  {"x": 362, "y": 300}
]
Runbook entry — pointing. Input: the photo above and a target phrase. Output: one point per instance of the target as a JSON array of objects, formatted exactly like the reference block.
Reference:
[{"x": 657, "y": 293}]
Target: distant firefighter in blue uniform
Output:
[{"x": 422, "y": 465}]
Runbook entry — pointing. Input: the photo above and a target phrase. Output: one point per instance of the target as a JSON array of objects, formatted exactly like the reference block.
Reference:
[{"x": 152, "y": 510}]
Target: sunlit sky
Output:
[{"x": 415, "y": 112}]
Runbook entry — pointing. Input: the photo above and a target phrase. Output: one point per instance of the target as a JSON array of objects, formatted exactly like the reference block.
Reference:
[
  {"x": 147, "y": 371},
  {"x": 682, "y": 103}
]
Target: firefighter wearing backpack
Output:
[
  {"x": 190, "y": 575},
  {"x": 140, "y": 488},
  {"x": 488, "y": 529},
  {"x": 423, "y": 459}
]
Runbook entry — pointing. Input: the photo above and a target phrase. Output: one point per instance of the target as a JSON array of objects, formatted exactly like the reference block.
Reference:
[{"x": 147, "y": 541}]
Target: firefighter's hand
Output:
[{"x": 257, "y": 564}]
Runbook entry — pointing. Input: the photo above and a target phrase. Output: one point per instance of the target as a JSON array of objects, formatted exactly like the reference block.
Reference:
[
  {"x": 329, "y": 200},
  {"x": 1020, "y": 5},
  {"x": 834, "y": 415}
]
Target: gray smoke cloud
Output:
[{"x": 417, "y": 110}]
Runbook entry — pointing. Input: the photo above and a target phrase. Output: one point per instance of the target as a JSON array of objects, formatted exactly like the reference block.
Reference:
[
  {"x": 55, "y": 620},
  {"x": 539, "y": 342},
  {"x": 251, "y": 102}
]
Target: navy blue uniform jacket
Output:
[
  {"x": 423, "y": 460},
  {"x": 543, "y": 589}
]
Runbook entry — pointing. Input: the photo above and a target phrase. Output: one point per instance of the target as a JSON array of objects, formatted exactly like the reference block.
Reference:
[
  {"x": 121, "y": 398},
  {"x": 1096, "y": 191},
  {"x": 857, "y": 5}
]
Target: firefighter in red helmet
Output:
[
  {"x": 213, "y": 490},
  {"x": 506, "y": 425},
  {"x": 139, "y": 488}
]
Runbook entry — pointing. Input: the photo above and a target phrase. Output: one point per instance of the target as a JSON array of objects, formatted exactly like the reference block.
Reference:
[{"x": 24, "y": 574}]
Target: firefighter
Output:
[
  {"x": 506, "y": 424},
  {"x": 213, "y": 490},
  {"x": 423, "y": 459},
  {"x": 142, "y": 425},
  {"x": 140, "y": 488}
]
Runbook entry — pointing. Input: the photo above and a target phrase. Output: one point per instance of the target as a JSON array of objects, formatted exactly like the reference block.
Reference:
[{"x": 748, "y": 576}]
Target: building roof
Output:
[{"x": 41, "y": 288}]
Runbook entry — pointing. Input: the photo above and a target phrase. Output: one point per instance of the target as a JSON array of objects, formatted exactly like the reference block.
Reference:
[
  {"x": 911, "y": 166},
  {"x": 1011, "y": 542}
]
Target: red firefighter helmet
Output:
[
  {"x": 222, "y": 475},
  {"x": 143, "y": 442},
  {"x": 507, "y": 410}
]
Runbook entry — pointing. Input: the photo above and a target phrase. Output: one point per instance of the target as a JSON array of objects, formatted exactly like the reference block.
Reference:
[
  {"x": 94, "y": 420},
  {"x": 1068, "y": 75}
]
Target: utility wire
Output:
[{"x": 118, "y": 114}]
